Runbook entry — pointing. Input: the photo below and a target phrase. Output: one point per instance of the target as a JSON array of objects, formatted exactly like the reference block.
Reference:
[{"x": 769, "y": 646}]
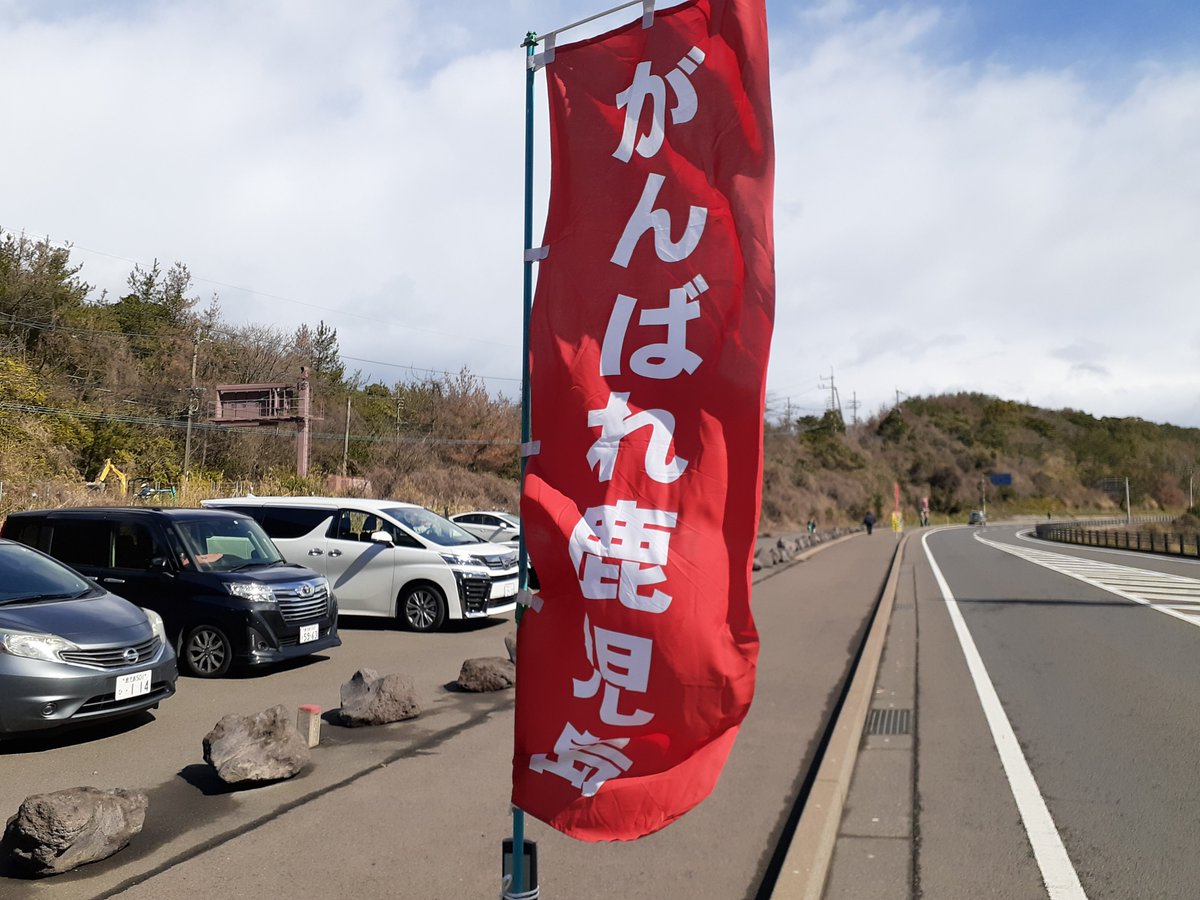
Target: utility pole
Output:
[
  {"x": 835, "y": 403},
  {"x": 1128, "y": 508},
  {"x": 303, "y": 414},
  {"x": 346, "y": 442},
  {"x": 854, "y": 408},
  {"x": 192, "y": 406}
]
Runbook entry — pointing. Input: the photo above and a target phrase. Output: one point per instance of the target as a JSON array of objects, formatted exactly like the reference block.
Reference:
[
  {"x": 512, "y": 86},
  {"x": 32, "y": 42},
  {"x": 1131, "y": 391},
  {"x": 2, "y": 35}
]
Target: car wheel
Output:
[
  {"x": 422, "y": 608},
  {"x": 205, "y": 652}
]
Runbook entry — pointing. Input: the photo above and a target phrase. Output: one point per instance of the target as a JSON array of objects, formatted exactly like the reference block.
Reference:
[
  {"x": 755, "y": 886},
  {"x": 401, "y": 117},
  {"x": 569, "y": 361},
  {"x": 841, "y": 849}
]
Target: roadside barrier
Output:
[{"x": 1163, "y": 543}]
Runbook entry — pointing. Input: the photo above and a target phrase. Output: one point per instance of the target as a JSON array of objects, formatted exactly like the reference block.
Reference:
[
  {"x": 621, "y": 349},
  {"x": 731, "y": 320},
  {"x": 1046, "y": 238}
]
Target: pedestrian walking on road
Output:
[
  {"x": 869, "y": 521},
  {"x": 812, "y": 526}
]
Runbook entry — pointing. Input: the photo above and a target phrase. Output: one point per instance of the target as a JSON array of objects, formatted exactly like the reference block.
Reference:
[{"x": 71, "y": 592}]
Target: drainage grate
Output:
[{"x": 889, "y": 721}]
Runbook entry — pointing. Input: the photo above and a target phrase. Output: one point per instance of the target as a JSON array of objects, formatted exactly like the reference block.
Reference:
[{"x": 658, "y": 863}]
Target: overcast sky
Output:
[{"x": 994, "y": 195}]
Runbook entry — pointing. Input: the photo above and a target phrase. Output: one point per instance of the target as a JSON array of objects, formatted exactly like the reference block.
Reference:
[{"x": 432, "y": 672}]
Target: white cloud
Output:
[
  {"x": 948, "y": 227},
  {"x": 941, "y": 225}
]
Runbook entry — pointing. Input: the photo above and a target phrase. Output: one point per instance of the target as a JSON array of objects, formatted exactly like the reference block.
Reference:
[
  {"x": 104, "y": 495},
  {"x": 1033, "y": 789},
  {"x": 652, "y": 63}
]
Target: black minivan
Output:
[{"x": 226, "y": 595}]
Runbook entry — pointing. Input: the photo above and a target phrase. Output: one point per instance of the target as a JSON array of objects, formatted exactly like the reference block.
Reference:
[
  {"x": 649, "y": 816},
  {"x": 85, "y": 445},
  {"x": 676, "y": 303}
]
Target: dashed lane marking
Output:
[{"x": 1171, "y": 595}]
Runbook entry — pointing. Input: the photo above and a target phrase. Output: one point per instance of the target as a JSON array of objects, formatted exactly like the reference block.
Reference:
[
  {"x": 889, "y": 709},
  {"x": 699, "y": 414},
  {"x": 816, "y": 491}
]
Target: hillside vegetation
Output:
[
  {"x": 947, "y": 448},
  {"x": 86, "y": 378}
]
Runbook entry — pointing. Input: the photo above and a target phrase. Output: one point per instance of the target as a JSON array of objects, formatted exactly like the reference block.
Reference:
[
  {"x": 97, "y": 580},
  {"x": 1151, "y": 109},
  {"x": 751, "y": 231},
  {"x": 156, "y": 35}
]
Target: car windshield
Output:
[
  {"x": 220, "y": 544},
  {"x": 27, "y": 575},
  {"x": 431, "y": 526}
]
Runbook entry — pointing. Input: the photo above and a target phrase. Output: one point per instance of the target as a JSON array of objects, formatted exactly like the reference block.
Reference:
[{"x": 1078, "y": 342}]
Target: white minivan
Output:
[{"x": 389, "y": 559}]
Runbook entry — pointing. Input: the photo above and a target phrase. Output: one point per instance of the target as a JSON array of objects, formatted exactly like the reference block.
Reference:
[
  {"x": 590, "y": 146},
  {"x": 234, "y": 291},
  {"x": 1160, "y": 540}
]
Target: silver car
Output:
[
  {"x": 71, "y": 652},
  {"x": 491, "y": 525}
]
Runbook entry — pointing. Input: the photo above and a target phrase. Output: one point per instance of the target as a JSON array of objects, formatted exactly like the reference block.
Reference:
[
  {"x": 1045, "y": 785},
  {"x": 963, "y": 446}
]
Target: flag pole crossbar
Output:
[{"x": 647, "y": 21}]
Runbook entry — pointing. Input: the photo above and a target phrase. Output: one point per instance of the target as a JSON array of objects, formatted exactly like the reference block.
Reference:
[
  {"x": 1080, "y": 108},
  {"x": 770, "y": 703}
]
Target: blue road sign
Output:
[{"x": 1001, "y": 478}]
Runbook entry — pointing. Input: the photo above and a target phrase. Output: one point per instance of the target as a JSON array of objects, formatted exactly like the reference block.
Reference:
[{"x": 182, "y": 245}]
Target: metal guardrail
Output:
[{"x": 1108, "y": 533}]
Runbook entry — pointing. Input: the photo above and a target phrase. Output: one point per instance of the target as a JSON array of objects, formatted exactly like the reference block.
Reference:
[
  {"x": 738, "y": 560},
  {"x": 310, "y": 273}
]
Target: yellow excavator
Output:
[{"x": 110, "y": 469}]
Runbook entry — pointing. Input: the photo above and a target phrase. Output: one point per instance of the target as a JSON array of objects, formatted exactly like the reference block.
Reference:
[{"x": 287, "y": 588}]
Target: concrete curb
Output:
[
  {"x": 768, "y": 571},
  {"x": 806, "y": 866}
]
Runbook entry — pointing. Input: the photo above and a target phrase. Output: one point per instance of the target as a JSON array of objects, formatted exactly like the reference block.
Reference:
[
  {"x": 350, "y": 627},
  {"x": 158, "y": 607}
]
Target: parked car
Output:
[
  {"x": 226, "y": 594},
  {"x": 70, "y": 652},
  {"x": 491, "y": 525},
  {"x": 976, "y": 517},
  {"x": 389, "y": 559}
]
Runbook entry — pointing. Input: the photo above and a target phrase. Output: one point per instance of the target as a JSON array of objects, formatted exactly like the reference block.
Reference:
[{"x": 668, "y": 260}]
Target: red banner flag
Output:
[{"x": 648, "y": 348}]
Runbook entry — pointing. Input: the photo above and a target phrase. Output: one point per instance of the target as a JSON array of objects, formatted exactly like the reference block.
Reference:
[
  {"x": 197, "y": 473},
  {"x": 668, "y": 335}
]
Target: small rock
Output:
[
  {"x": 487, "y": 673},
  {"x": 510, "y": 643},
  {"x": 57, "y": 832},
  {"x": 262, "y": 747},
  {"x": 368, "y": 699}
]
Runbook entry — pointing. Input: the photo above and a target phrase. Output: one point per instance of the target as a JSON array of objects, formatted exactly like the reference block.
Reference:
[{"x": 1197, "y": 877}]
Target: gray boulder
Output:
[
  {"x": 487, "y": 673},
  {"x": 57, "y": 832},
  {"x": 368, "y": 699},
  {"x": 262, "y": 747}
]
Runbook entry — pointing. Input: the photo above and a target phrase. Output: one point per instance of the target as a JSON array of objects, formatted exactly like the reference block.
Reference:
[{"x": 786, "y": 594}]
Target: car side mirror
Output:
[
  {"x": 159, "y": 564},
  {"x": 382, "y": 537}
]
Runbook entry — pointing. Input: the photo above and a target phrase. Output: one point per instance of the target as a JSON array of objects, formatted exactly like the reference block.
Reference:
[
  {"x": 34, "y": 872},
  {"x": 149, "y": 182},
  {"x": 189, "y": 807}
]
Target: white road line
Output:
[{"x": 1058, "y": 874}]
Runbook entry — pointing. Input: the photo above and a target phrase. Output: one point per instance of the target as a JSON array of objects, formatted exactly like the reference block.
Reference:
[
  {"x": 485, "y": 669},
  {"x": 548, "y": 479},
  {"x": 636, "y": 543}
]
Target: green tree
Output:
[{"x": 38, "y": 286}]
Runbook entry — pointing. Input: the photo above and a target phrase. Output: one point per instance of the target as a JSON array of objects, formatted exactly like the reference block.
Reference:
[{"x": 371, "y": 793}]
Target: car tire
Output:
[
  {"x": 422, "y": 607},
  {"x": 205, "y": 652}
]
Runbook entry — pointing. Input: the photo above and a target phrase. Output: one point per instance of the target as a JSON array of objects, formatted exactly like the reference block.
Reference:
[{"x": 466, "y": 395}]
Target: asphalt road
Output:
[
  {"x": 418, "y": 809},
  {"x": 1103, "y": 695}
]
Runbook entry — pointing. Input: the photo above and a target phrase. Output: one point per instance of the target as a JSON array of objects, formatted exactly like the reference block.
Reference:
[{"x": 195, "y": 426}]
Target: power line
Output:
[
  {"x": 214, "y": 427},
  {"x": 376, "y": 362},
  {"x": 229, "y": 334}
]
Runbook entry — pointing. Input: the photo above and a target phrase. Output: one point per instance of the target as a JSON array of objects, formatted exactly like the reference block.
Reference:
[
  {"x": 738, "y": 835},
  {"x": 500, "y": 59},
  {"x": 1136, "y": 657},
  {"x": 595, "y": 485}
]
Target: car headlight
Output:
[
  {"x": 34, "y": 646},
  {"x": 454, "y": 559},
  {"x": 251, "y": 590},
  {"x": 156, "y": 624}
]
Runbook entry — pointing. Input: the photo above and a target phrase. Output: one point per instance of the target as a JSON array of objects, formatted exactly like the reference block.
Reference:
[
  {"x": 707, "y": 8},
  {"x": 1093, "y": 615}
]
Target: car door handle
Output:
[
  {"x": 113, "y": 580},
  {"x": 335, "y": 552},
  {"x": 315, "y": 551}
]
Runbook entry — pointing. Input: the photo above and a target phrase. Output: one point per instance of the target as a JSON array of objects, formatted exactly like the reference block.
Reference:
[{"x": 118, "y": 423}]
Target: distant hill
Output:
[
  {"x": 86, "y": 379},
  {"x": 948, "y": 447}
]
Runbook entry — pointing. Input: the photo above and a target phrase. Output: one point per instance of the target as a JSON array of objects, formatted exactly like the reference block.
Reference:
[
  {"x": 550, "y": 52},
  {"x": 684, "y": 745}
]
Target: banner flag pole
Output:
[
  {"x": 518, "y": 815},
  {"x": 650, "y": 322}
]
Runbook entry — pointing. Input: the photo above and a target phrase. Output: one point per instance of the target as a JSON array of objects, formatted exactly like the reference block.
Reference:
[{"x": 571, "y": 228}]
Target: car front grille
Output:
[
  {"x": 295, "y": 607},
  {"x": 474, "y": 593},
  {"x": 114, "y": 657},
  {"x": 500, "y": 561}
]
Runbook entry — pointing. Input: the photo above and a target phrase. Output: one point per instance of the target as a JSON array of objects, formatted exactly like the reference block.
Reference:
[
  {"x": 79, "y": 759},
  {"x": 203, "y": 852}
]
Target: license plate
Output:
[
  {"x": 504, "y": 589},
  {"x": 133, "y": 685},
  {"x": 308, "y": 633}
]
